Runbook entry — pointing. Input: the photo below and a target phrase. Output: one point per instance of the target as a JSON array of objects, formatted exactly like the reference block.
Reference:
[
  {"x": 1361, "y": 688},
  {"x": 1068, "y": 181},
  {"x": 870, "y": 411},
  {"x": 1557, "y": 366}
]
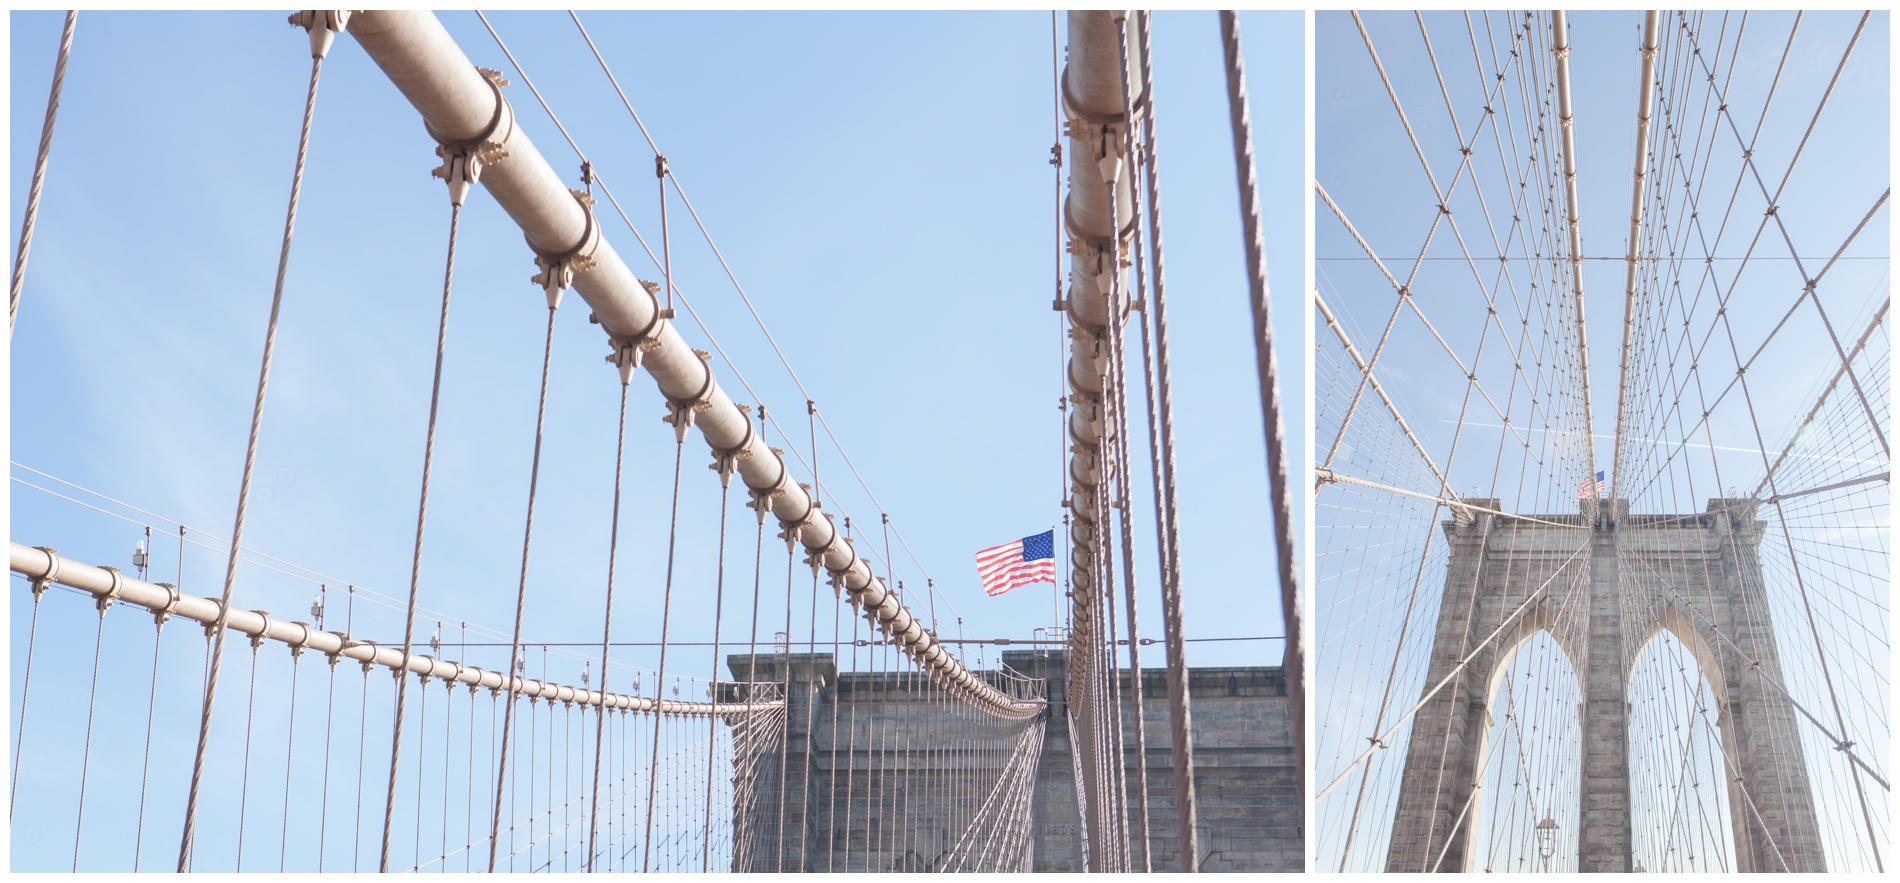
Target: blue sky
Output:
[{"x": 878, "y": 183}]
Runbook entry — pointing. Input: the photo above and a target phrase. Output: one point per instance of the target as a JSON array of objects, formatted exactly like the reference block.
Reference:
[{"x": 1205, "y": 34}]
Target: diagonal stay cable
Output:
[
  {"x": 321, "y": 35},
  {"x": 39, "y": 171}
]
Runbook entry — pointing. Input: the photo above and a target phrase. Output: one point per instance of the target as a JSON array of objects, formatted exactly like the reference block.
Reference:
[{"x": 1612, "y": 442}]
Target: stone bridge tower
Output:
[{"x": 1610, "y": 583}]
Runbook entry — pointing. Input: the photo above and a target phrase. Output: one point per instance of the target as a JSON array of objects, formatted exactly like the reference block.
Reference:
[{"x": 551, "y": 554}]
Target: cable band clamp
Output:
[
  {"x": 558, "y": 268},
  {"x": 463, "y": 159}
]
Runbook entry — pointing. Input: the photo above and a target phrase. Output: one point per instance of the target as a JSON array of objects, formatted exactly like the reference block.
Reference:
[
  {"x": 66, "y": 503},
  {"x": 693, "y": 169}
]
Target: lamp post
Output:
[{"x": 1546, "y": 840}]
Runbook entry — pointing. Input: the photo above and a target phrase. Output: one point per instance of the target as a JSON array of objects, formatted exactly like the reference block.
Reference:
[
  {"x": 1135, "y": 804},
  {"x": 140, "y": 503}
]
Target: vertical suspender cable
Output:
[
  {"x": 1120, "y": 369},
  {"x": 456, "y": 196},
  {"x": 19, "y": 738},
  {"x": 290, "y": 747},
  {"x": 39, "y": 171},
  {"x": 1294, "y": 664},
  {"x": 712, "y": 720},
  {"x": 329, "y": 723},
  {"x": 244, "y": 780},
  {"x": 1180, "y": 710},
  {"x": 145, "y": 769},
  {"x": 785, "y": 735},
  {"x": 606, "y": 634},
  {"x": 659, "y": 678},
  {"x": 92, "y": 704},
  {"x": 513, "y": 681},
  {"x": 322, "y": 26}
]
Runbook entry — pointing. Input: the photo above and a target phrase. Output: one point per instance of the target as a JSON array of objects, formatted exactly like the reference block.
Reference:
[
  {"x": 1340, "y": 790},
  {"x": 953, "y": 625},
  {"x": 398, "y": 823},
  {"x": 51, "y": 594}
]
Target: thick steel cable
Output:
[
  {"x": 39, "y": 171},
  {"x": 26, "y": 686},
  {"x": 812, "y": 696},
  {"x": 85, "y": 757},
  {"x": 831, "y": 805},
  {"x": 422, "y": 737},
  {"x": 785, "y": 735},
  {"x": 145, "y": 770},
  {"x": 244, "y": 786},
  {"x": 329, "y": 723},
  {"x": 1120, "y": 368},
  {"x": 1117, "y": 756},
  {"x": 1180, "y": 710},
  {"x": 510, "y": 680},
  {"x": 606, "y": 632},
  {"x": 712, "y": 720},
  {"x": 362, "y": 737},
  {"x": 422, "y": 517},
  {"x": 448, "y": 733},
  {"x": 250, "y": 464},
  {"x": 659, "y": 677},
  {"x": 290, "y": 748},
  {"x": 1295, "y": 659}
]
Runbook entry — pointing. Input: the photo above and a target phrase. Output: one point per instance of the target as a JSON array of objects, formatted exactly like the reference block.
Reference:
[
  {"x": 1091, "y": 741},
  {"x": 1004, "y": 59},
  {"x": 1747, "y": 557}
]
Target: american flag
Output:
[
  {"x": 1587, "y": 489},
  {"x": 1031, "y": 559}
]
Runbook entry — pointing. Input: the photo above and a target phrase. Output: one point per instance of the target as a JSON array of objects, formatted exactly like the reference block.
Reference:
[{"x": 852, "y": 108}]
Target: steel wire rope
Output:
[
  {"x": 244, "y": 787},
  {"x": 290, "y": 748},
  {"x": 319, "y": 46},
  {"x": 448, "y": 741},
  {"x": 851, "y": 758},
  {"x": 511, "y": 680},
  {"x": 145, "y": 769},
  {"x": 831, "y": 802},
  {"x": 85, "y": 757},
  {"x": 606, "y": 630},
  {"x": 39, "y": 170},
  {"x": 752, "y": 646},
  {"x": 1124, "y": 469},
  {"x": 812, "y": 692},
  {"x": 1254, "y": 238},
  {"x": 26, "y": 687},
  {"x": 666, "y": 617},
  {"x": 784, "y": 772},
  {"x": 1179, "y": 702},
  {"x": 422, "y": 515},
  {"x": 329, "y": 724},
  {"x": 422, "y": 737},
  {"x": 712, "y": 720},
  {"x": 362, "y": 733}
]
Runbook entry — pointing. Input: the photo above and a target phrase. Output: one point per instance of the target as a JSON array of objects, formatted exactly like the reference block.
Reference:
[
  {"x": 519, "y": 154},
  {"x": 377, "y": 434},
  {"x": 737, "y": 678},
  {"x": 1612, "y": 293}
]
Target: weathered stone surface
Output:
[
  {"x": 1641, "y": 572},
  {"x": 842, "y": 779}
]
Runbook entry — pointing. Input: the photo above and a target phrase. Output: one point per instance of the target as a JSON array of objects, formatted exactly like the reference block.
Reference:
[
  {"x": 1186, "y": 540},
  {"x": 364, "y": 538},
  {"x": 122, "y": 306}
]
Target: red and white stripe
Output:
[{"x": 1002, "y": 568}]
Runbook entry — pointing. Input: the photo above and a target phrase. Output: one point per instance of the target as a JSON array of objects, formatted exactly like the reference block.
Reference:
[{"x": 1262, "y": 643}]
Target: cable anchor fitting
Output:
[
  {"x": 104, "y": 602},
  {"x": 630, "y": 350},
  {"x": 323, "y": 25},
  {"x": 683, "y": 413},
  {"x": 463, "y": 159},
  {"x": 558, "y": 268},
  {"x": 726, "y": 460},
  {"x": 762, "y": 498},
  {"x": 41, "y": 584}
]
